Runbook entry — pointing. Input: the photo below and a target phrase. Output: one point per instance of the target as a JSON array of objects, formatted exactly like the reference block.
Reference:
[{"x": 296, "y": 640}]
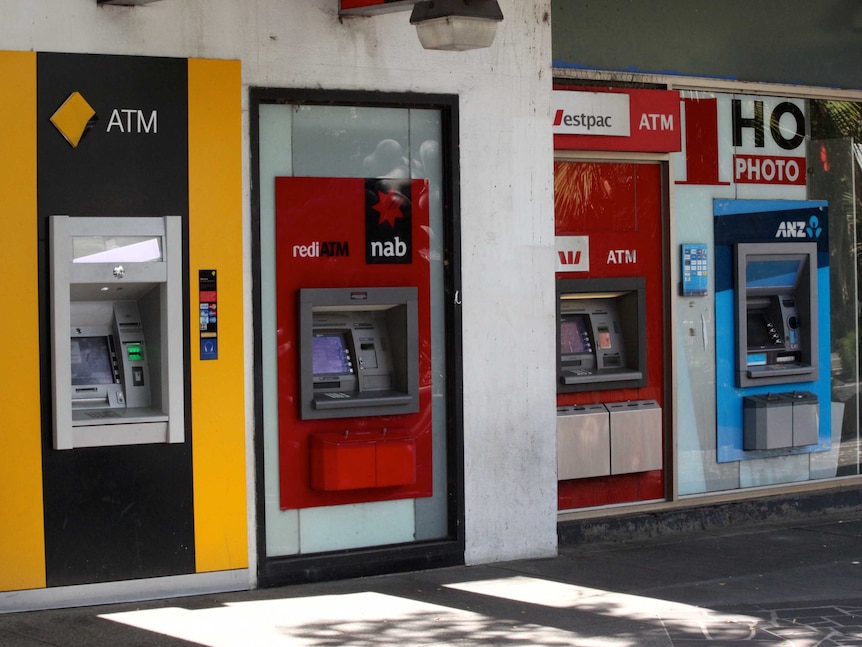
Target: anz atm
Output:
[
  {"x": 772, "y": 309},
  {"x": 116, "y": 331}
]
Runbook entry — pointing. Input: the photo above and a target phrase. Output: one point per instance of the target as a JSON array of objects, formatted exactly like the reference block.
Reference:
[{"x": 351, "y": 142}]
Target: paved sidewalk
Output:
[{"x": 796, "y": 584}]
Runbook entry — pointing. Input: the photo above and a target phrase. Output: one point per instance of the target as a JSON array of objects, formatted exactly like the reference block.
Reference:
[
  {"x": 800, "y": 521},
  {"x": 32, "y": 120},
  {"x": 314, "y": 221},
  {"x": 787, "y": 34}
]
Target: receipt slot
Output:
[
  {"x": 359, "y": 352},
  {"x": 116, "y": 327},
  {"x": 776, "y": 309}
]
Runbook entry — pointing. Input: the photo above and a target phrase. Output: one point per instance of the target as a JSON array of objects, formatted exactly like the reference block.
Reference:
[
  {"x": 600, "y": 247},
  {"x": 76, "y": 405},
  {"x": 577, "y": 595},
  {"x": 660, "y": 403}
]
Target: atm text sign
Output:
[{"x": 616, "y": 119}]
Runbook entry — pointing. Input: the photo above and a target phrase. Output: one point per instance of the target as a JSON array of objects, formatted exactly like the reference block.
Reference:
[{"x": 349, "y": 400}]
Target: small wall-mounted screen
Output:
[
  {"x": 772, "y": 274},
  {"x": 91, "y": 361},
  {"x": 330, "y": 354},
  {"x": 605, "y": 342}
]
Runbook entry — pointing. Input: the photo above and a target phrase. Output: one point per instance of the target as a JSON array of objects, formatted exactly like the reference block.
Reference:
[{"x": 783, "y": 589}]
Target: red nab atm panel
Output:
[{"x": 354, "y": 363}]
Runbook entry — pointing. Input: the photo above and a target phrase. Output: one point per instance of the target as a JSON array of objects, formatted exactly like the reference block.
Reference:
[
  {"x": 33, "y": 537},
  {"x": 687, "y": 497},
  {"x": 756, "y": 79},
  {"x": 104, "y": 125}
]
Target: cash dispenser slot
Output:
[
  {"x": 601, "y": 325},
  {"x": 359, "y": 351}
]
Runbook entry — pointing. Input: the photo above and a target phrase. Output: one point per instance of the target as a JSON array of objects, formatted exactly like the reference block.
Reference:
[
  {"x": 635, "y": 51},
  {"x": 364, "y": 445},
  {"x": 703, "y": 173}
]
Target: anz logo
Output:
[{"x": 799, "y": 228}]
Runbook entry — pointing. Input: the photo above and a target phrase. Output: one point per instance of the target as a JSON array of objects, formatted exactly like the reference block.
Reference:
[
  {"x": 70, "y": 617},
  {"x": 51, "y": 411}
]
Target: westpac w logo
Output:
[
  {"x": 573, "y": 253},
  {"x": 569, "y": 257}
]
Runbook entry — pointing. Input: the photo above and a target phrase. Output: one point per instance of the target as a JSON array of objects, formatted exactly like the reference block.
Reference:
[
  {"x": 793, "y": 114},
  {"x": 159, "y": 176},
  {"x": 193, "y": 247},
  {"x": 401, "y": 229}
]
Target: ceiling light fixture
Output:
[
  {"x": 456, "y": 24},
  {"x": 125, "y": 3}
]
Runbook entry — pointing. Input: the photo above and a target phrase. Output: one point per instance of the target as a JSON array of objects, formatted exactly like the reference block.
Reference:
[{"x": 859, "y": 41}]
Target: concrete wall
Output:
[{"x": 506, "y": 199}]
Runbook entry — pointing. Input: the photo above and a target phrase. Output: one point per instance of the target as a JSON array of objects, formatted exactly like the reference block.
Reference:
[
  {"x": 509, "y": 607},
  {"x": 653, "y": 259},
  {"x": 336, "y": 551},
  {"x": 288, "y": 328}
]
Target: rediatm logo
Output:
[
  {"x": 319, "y": 249},
  {"x": 799, "y": 228}
]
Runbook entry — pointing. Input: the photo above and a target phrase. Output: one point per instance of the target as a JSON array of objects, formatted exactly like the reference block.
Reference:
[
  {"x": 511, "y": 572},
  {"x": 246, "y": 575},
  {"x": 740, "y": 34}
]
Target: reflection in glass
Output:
[
  {"x": 835, "y": 175},
  {"x": 116, "y": 249}
]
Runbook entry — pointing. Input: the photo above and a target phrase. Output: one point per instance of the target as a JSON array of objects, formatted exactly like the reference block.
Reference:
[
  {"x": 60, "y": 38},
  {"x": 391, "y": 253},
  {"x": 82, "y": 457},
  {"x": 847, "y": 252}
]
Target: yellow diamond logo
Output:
[{"x": 74, "y": 118}]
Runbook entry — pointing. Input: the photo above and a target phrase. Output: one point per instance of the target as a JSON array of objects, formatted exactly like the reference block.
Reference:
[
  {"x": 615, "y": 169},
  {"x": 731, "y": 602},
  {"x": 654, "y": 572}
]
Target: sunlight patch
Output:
[{"x": 355, "y": 619}]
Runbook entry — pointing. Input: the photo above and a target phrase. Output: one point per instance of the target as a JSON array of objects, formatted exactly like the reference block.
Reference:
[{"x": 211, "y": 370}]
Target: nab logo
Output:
[
  {"x": 318, "y": 249},
  {"x": 799, "y": 228},
  {"x": 388, "y": 222},
  {"x": 389, "y": 248}
]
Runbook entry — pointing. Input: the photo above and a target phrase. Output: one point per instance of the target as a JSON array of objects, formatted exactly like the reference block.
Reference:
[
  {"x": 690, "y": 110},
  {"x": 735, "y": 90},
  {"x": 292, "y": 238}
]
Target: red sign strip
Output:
[{"x": 654, "y": 122}]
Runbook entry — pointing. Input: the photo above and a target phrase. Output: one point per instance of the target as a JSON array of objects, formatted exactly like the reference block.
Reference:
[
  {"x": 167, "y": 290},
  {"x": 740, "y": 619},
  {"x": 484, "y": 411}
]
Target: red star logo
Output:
[{"x": 389, "y": 207}]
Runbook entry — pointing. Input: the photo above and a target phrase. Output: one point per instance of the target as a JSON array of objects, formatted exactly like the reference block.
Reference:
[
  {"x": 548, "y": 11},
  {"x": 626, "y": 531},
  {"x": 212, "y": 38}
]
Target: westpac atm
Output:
[
  {"x": 116, "y": 328},
  {"x": 601, "y": 324},
  {"x": 601, "y": 344}
]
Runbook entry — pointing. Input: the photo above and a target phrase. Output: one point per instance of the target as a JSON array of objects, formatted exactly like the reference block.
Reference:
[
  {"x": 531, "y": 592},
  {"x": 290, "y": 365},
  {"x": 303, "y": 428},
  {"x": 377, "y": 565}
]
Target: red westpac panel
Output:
[{"x": 619, "y": 206}]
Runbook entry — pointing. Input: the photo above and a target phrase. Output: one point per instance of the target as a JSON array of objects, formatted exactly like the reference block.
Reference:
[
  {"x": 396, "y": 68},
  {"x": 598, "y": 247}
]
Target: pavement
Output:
[{"x": 796, "y": 584}]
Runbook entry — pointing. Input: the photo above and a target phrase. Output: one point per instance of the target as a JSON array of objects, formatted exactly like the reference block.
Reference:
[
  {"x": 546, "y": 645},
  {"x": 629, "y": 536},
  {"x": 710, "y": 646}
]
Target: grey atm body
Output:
[
  {"x": 116, "y": 325},
  {"x": 359, "y": 352},
  {"x": 776, "y": 309},
  {"x": 601, "y": 327}
]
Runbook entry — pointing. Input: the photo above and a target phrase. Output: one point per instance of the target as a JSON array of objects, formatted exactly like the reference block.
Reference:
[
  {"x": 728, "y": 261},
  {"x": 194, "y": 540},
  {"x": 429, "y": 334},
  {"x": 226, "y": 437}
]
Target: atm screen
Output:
[
  {"x": 91, "y": 361},
  {"x": 574, "y": 335},
  {"x": 758, "y": 330},
  {"x": 772, "y": 274},
  {"x": 330, "y": 354}
]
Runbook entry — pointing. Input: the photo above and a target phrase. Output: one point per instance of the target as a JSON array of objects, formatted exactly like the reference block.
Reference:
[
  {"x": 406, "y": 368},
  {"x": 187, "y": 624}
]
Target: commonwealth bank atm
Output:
[{"x": 116, "y": 328}]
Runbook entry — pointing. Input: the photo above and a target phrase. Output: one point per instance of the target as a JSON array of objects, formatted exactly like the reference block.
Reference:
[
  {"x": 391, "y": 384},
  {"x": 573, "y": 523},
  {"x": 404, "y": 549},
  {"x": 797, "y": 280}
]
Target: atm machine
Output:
[
  {"x": 116, "y": 328},
  {"x": 777, "y": 342},
  {"x": 601, "y": 343},
  {"x": 776, "y": 291},
  {"x": 601, "y": 324},
  {"x": 358, "y": 352}
]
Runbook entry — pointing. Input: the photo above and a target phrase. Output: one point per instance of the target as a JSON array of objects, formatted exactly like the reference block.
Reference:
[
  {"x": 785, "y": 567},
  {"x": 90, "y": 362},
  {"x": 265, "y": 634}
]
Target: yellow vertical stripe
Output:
[
  {"x": 215, "y": 242},
  {"x": 22, "y": 532}
]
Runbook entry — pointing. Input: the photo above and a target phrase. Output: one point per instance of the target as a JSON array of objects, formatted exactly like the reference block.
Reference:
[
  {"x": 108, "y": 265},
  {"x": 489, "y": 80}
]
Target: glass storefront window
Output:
[
  {"x": 835, "y": 175},
  {"x": 350, "y": 142},
  {"x": 774, "y": 153}
]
